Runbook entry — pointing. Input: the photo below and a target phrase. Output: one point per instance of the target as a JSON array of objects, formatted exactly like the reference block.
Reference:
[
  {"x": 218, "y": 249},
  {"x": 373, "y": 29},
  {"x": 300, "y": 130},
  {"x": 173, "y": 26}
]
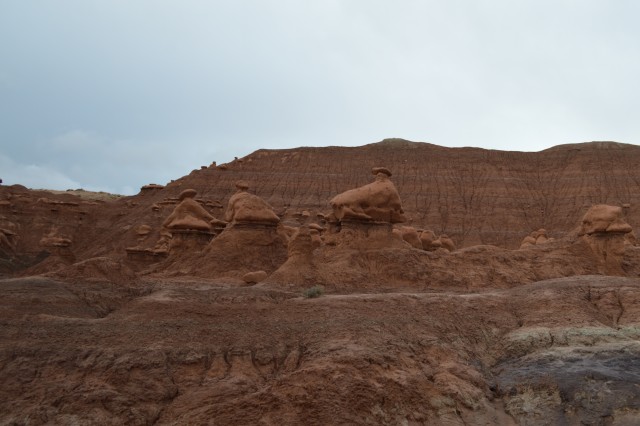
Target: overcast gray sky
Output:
[{"x": 111, "y": 95}]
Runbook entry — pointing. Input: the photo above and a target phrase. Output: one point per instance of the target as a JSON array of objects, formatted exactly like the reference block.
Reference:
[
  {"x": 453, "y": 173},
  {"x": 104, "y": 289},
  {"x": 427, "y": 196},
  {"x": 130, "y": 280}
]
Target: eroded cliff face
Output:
[
  {"x": 184, "y": 352},
  {"x": 160, "y": 308},
  {"x": 475, "y": 196}
]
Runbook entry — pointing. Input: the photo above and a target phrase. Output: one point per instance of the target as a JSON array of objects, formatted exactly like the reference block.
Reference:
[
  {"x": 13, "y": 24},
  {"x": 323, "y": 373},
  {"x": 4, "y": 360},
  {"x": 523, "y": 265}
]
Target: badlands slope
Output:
[{"x": 189, "y": 307}]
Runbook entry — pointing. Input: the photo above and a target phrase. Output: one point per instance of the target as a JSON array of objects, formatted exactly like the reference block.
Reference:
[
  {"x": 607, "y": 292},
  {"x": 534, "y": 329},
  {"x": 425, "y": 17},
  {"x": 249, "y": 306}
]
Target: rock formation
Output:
[
  {"x": 378, "y": 201},
  {"x": 252, "y": 240},
  {"x": 604, "y": 229},
  {"x": 246, "y": 208},
  {"x": 58, "y": 245},
  {"x": 483, "y": 334},
  {"x": 300, "y": 270},
  {"x": 8, "y": 242},
  {"x": 429, "y": 240},
  {"x": 411, "y": 236},
  {"x": 535, "y": 238},
  {"x": 362, "y": 218},
  {"x": 254, "y": 277},
  {"x": 447, "y": 243},
  {"x": 189, "y": 224},
  {"x": 189, "y": 214}
]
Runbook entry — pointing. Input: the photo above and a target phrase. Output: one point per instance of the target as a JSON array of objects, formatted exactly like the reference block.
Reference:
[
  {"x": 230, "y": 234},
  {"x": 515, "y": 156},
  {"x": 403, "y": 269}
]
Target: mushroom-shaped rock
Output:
[
  {"x": 151, "y": 187},
  {"x": 604, "y": 229},
  {"x": 143, "y": 230},
  {"x": 604, "y": 218},
  {"x": 317, "y": 227},
  {"x": 53, "y": 239},
  {"x": 188, "y": 214},
  {"x": 378, "y": 201},
  {"x": 249, "y": 208},
  {"x": 59, "y": 245}
]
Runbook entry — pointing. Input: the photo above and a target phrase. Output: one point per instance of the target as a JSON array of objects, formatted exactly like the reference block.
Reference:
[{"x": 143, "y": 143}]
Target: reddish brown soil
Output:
[{"x": 487, "y": 334}]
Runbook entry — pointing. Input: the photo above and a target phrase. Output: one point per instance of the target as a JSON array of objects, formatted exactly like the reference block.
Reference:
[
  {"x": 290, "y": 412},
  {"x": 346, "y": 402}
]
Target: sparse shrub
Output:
[{"x": 315, "y": 291}]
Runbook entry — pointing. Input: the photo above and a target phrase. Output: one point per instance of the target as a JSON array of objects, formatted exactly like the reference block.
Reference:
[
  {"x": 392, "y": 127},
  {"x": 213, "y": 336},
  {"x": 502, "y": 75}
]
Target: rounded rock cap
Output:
[
  {"x": 187, "y": 193},
  {"x": 242, "y": 185},
  {"x": 383, "y": 170},
  {"x": 316, "y": 227}
]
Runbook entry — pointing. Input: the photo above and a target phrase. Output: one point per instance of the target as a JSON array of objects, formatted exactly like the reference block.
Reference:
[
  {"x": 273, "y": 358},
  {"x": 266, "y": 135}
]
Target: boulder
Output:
[
  {"x": 429, "y": 241},
  {"x": 254, "y": 277},
  {"x": 535, "y": 238},
  {"x": 447, "y": 243},
  {"x": 410, "y": 235}
]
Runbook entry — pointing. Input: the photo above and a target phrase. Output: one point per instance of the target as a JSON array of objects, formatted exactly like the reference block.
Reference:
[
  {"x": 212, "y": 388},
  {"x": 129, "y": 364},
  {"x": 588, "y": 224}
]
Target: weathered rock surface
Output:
[
  {"x": 189, "y": 214},
  {"x": 249, "y": 208},
  {"x": 604, "y": 229},
  {"x": 474, "y": 196},
  {"x": 553, "y": 352},
  {"x": 378, "y": 201},
  {"x": 412, "y": 327}
]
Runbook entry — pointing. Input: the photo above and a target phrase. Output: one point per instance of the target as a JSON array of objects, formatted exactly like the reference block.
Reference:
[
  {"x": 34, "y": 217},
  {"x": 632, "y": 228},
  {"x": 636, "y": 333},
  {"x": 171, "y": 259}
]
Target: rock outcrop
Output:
[
  {"x": 429, "y": 240},
  {"x": 473, "y": 334},
  {"x": 246, "y": 208},
  {"x": 411, "y": 236},
  {"x": 535, "y": 238},
  {"x": 254, "y": 277},
  {"x": 252, "y": 240},
  {"x": 378, "y": 201},
  {"x": 189, "y": 214},
  {"x": 301, "y": 268},
  {"x": 446, "y": 243},
  {"x": 604, "y": 229},
  {"x": 8, "y": 241}
]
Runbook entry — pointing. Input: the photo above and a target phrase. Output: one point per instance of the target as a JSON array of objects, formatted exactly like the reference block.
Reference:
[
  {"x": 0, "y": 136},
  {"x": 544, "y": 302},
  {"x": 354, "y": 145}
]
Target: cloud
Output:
[
  {"x": 76, "y": 140},
  {"x": 34, "y": 176},
  {"x": 176, "y": 87},
  {"x": 100, "y": 162}
]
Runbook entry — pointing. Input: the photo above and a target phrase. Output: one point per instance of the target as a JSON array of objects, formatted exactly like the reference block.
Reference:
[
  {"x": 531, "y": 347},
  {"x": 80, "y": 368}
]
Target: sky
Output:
[{"x": 110, "y": 95}]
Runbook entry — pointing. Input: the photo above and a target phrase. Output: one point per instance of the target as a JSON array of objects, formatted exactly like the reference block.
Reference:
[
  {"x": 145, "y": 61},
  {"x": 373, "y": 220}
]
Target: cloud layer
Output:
[{"x": 113, "y": 95}]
